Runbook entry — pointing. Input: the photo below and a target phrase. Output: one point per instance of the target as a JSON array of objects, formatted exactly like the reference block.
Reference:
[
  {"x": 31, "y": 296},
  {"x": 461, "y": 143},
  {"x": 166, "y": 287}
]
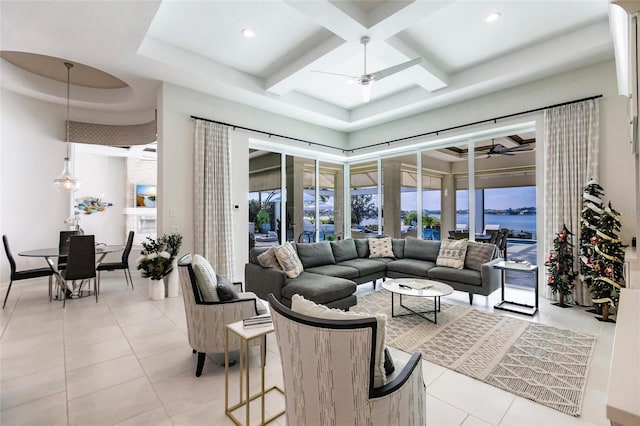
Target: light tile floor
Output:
[{"x": 126, "y": 361}]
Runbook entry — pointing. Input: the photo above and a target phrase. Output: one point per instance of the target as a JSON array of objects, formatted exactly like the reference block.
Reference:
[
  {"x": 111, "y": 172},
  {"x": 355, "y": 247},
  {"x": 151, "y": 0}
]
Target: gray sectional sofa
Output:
[{"x": 333, "y": 269}]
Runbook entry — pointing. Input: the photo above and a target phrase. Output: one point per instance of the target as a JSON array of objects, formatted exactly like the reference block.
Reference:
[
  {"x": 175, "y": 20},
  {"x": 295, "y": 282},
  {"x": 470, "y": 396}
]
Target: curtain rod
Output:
[
  {"x": 433, "y": 132},
  {"x": 488, "y": 120},
  {"x": 269, "y": 133}
]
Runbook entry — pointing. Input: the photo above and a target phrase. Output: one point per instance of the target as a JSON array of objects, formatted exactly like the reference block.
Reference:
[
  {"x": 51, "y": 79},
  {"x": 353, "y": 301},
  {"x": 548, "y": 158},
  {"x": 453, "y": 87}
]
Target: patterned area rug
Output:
[{"x": 545, "y": 364}]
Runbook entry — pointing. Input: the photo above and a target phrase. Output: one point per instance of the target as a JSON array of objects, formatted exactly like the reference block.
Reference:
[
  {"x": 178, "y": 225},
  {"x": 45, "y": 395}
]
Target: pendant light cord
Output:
[{"x": 69, "y": 66}]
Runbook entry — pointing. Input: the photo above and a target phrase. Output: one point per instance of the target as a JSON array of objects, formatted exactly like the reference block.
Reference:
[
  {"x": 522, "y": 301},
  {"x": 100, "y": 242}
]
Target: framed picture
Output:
[{"x": 145, "y": 196}]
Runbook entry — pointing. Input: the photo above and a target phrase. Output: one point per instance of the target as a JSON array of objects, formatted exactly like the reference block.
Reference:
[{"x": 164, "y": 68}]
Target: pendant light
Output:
[{"x": 66, "y": 181}]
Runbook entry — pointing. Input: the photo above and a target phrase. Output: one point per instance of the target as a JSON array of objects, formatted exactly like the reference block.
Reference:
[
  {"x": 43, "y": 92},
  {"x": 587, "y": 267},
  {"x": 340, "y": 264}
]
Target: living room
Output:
[{"x": 33, "y": 140}]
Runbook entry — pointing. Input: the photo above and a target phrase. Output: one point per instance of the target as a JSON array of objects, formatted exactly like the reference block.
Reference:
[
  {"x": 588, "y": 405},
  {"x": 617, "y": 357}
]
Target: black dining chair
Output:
[
  {"x": 81, "y": 262},
  {"x": 123, "y": 264},
  {"x": 23, "y": 275},
  {"x": 63, "y": 247}
]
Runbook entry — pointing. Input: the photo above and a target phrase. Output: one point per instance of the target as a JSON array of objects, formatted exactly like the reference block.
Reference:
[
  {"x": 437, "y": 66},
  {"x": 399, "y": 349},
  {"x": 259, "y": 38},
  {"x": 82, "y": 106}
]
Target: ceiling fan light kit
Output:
[{"x": 366, "y": 80}]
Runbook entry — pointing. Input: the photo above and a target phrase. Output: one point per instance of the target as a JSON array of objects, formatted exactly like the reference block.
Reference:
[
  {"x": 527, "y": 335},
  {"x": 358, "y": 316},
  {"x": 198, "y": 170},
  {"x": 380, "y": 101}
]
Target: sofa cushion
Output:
[
  {"x": 365, "y": 266},
  {"x": 380, "y": 247},
  {"x": 397, "y": 245},
  {"x": 411, "y": 266},
  {"x": 319, "y": 288},
  {"x": 465, "y": 276},
  {"x": 315, "y": 254},
  {"x": 289, "y": 260},
  {"x": 301, "y": 305},
  {"x": 383, "y": 260},
  {"x": 206, "y": 279},
  {"x": 416, "y": 248},
  {"x": 335, "y": 271},
  {"x": 344, "y": 250},
  {"x": 268, "y": 259},
  {"x": 452, "y": 253},
  {"x": 362, "y": 247},
  {"x": 477, "y": 254}
]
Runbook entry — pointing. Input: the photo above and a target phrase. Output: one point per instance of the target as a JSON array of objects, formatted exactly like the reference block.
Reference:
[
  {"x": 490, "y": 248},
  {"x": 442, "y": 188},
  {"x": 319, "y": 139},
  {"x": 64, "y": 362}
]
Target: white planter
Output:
[
  {"x": 172, "y": 281},
  {"x": 155, "y": 289}
]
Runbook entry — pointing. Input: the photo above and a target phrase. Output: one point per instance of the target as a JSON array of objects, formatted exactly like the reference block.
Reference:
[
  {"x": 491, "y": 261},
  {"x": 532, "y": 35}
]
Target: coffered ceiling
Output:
[{"x": 199, "y": 45}]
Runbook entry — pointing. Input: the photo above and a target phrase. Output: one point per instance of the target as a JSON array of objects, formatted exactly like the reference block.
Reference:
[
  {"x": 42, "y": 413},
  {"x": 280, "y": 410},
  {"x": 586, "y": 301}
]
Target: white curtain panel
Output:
[
  {"x": 212, "y": 197},
  {"x": 571, "y": 159}
]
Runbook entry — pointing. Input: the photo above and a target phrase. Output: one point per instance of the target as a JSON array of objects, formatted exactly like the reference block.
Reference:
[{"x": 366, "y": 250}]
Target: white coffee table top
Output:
[{"x": 404, "y": 286}]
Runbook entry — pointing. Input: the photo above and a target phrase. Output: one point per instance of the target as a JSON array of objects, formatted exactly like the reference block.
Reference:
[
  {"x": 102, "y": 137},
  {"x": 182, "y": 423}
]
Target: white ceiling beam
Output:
[
  {"x": 333, "y": 18},
  {"x": 293, "y": 75},
  {"x": 389, "y": 18}
]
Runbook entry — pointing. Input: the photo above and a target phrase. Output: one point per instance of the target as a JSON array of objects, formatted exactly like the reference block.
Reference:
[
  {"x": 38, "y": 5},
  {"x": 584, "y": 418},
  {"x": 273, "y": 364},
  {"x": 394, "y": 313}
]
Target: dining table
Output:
[{"x": 49, "y": 254}]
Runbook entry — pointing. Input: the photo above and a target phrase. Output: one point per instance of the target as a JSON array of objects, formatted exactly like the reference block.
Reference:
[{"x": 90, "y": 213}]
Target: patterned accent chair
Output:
[
  {"x": 206, "y": 321},
  {"x": 328, "y": 370}
]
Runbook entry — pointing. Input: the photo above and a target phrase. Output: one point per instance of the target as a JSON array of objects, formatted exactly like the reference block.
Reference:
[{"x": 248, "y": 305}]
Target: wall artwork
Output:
[{"x": 145, "y": 196}]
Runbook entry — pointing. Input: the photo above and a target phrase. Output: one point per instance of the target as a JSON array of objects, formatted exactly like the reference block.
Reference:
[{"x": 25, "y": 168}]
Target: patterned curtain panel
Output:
[
  {"x": 212, "y": 198},
  {"x": 571, "y": 159}
]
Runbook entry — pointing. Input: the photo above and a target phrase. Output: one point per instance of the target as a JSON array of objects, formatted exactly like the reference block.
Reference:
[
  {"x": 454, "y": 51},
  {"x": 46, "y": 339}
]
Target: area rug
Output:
[{"x": 545, "y": 364}]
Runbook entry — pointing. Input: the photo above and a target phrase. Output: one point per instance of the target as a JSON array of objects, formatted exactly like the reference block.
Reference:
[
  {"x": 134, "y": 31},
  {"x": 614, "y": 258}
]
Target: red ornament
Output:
[
  {"x": 609, "y": 271},
  {"x": 593, "y": 240},
  {"x": 550, "y": 281},
  {"x": 561, "y": 237}
]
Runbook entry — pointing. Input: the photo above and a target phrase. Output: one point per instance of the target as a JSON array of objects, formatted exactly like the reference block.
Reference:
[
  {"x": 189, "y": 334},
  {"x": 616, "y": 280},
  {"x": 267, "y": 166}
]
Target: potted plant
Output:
[
  {"x": 264, "y": 220},
  {"x": 157, "y": 260}
]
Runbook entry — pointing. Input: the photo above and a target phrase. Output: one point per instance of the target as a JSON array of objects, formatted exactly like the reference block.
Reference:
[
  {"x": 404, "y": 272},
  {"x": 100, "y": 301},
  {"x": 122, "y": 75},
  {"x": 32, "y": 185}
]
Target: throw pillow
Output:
[
  {"x": 306, "y": 307},
  {"x": 206, "y": 279},
  {"x": 225, "y": 289},
  {"x": 452, "y": 253},
  {"x": 344, "y": 250},
  {"x": 289, "y": 260},
  {"x": 268, "y": 259},
  {"x": 380, "y": 247},
  {"x": 315, "y": 254},
  {"x": 477, "y": 254}
]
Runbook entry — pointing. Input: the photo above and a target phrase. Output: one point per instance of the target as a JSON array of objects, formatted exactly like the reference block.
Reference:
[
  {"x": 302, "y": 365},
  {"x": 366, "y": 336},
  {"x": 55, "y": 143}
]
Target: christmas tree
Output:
[
  {"x": 559, "y": 265},
  {"x": 608, "y": 262},
  {"x": 591, "y": 212}
]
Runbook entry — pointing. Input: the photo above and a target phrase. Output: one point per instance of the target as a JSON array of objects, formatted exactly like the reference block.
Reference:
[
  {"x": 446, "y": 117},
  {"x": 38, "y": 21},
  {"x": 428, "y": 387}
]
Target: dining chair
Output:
[
  {"x": 63, "y": 247},
  {"x": 81, "y": 262},
  {"x": 23, "y": 275},
  {"x": 123, "y": 264}
]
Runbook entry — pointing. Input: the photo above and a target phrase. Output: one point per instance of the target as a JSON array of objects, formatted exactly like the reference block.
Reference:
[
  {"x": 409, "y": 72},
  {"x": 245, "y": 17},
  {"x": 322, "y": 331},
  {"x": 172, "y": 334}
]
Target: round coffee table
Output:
[{"x": 417, "y": 287}]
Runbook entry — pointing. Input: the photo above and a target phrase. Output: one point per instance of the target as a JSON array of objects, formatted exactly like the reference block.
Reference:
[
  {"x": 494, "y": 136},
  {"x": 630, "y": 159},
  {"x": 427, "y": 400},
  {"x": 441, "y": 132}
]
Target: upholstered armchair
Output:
[
  {"x": 206, "y": 321},
  {"x": 328, "y": 369}
]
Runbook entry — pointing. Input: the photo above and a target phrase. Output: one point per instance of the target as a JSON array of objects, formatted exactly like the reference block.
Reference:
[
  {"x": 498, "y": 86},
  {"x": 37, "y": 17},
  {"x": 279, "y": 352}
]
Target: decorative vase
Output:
[
  {"x": 172, "y": 281},
  {"x": 155, "y": 289}
]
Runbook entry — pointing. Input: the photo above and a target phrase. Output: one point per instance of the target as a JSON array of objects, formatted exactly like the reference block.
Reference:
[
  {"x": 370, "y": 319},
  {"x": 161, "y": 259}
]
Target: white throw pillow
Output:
[
  {"x": 288, "y": 259},
  {"x": 262, "y": 307},
  {"x": 306, "y": 307},
  {"x": 452, "y": 253},
  {"x": 380, "y": 247},
  {"x": 205, "y": 278},
  {"x": 268, "y": 259}
]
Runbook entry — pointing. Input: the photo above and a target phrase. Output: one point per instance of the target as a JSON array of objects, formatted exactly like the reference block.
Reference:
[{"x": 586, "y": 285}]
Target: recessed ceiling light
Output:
[
  {"x": 493, "y": 16},
  {"x": 247, "y": 33}
]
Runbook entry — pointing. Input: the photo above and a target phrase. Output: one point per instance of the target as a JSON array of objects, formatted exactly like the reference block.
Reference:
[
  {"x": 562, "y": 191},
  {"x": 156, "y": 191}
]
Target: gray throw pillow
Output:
[
  {"x": 225, "y": 289},
  {"x": 344, "y": 250},
  {"x": 362, "y": 247},
  {"x": 477, "y": 254},
  {"x": 416, "y": 248},
  {"x": 315, "y": 254}
]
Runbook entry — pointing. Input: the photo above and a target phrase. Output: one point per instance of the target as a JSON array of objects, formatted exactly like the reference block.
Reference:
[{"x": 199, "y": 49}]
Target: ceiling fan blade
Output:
[
  {"x": 521, "y": 148},
  {"x": 334, "y": 73},
  {"x": 379, "y": 75}
]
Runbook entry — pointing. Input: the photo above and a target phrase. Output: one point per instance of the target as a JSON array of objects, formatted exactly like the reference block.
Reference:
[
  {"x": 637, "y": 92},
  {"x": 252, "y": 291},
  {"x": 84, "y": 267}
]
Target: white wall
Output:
[{"x": 32, "y": 150}]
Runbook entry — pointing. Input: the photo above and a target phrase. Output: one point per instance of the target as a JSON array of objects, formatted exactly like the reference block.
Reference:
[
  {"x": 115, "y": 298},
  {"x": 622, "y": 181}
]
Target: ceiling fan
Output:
[
  {"x": 366, "y": 80},
  {"x": 500, "y": 149}
]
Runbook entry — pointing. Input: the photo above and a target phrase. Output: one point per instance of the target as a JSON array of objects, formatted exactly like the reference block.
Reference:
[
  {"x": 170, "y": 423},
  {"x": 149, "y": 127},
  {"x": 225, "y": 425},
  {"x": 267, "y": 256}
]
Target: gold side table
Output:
[{"x": 246, "y": 335}]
